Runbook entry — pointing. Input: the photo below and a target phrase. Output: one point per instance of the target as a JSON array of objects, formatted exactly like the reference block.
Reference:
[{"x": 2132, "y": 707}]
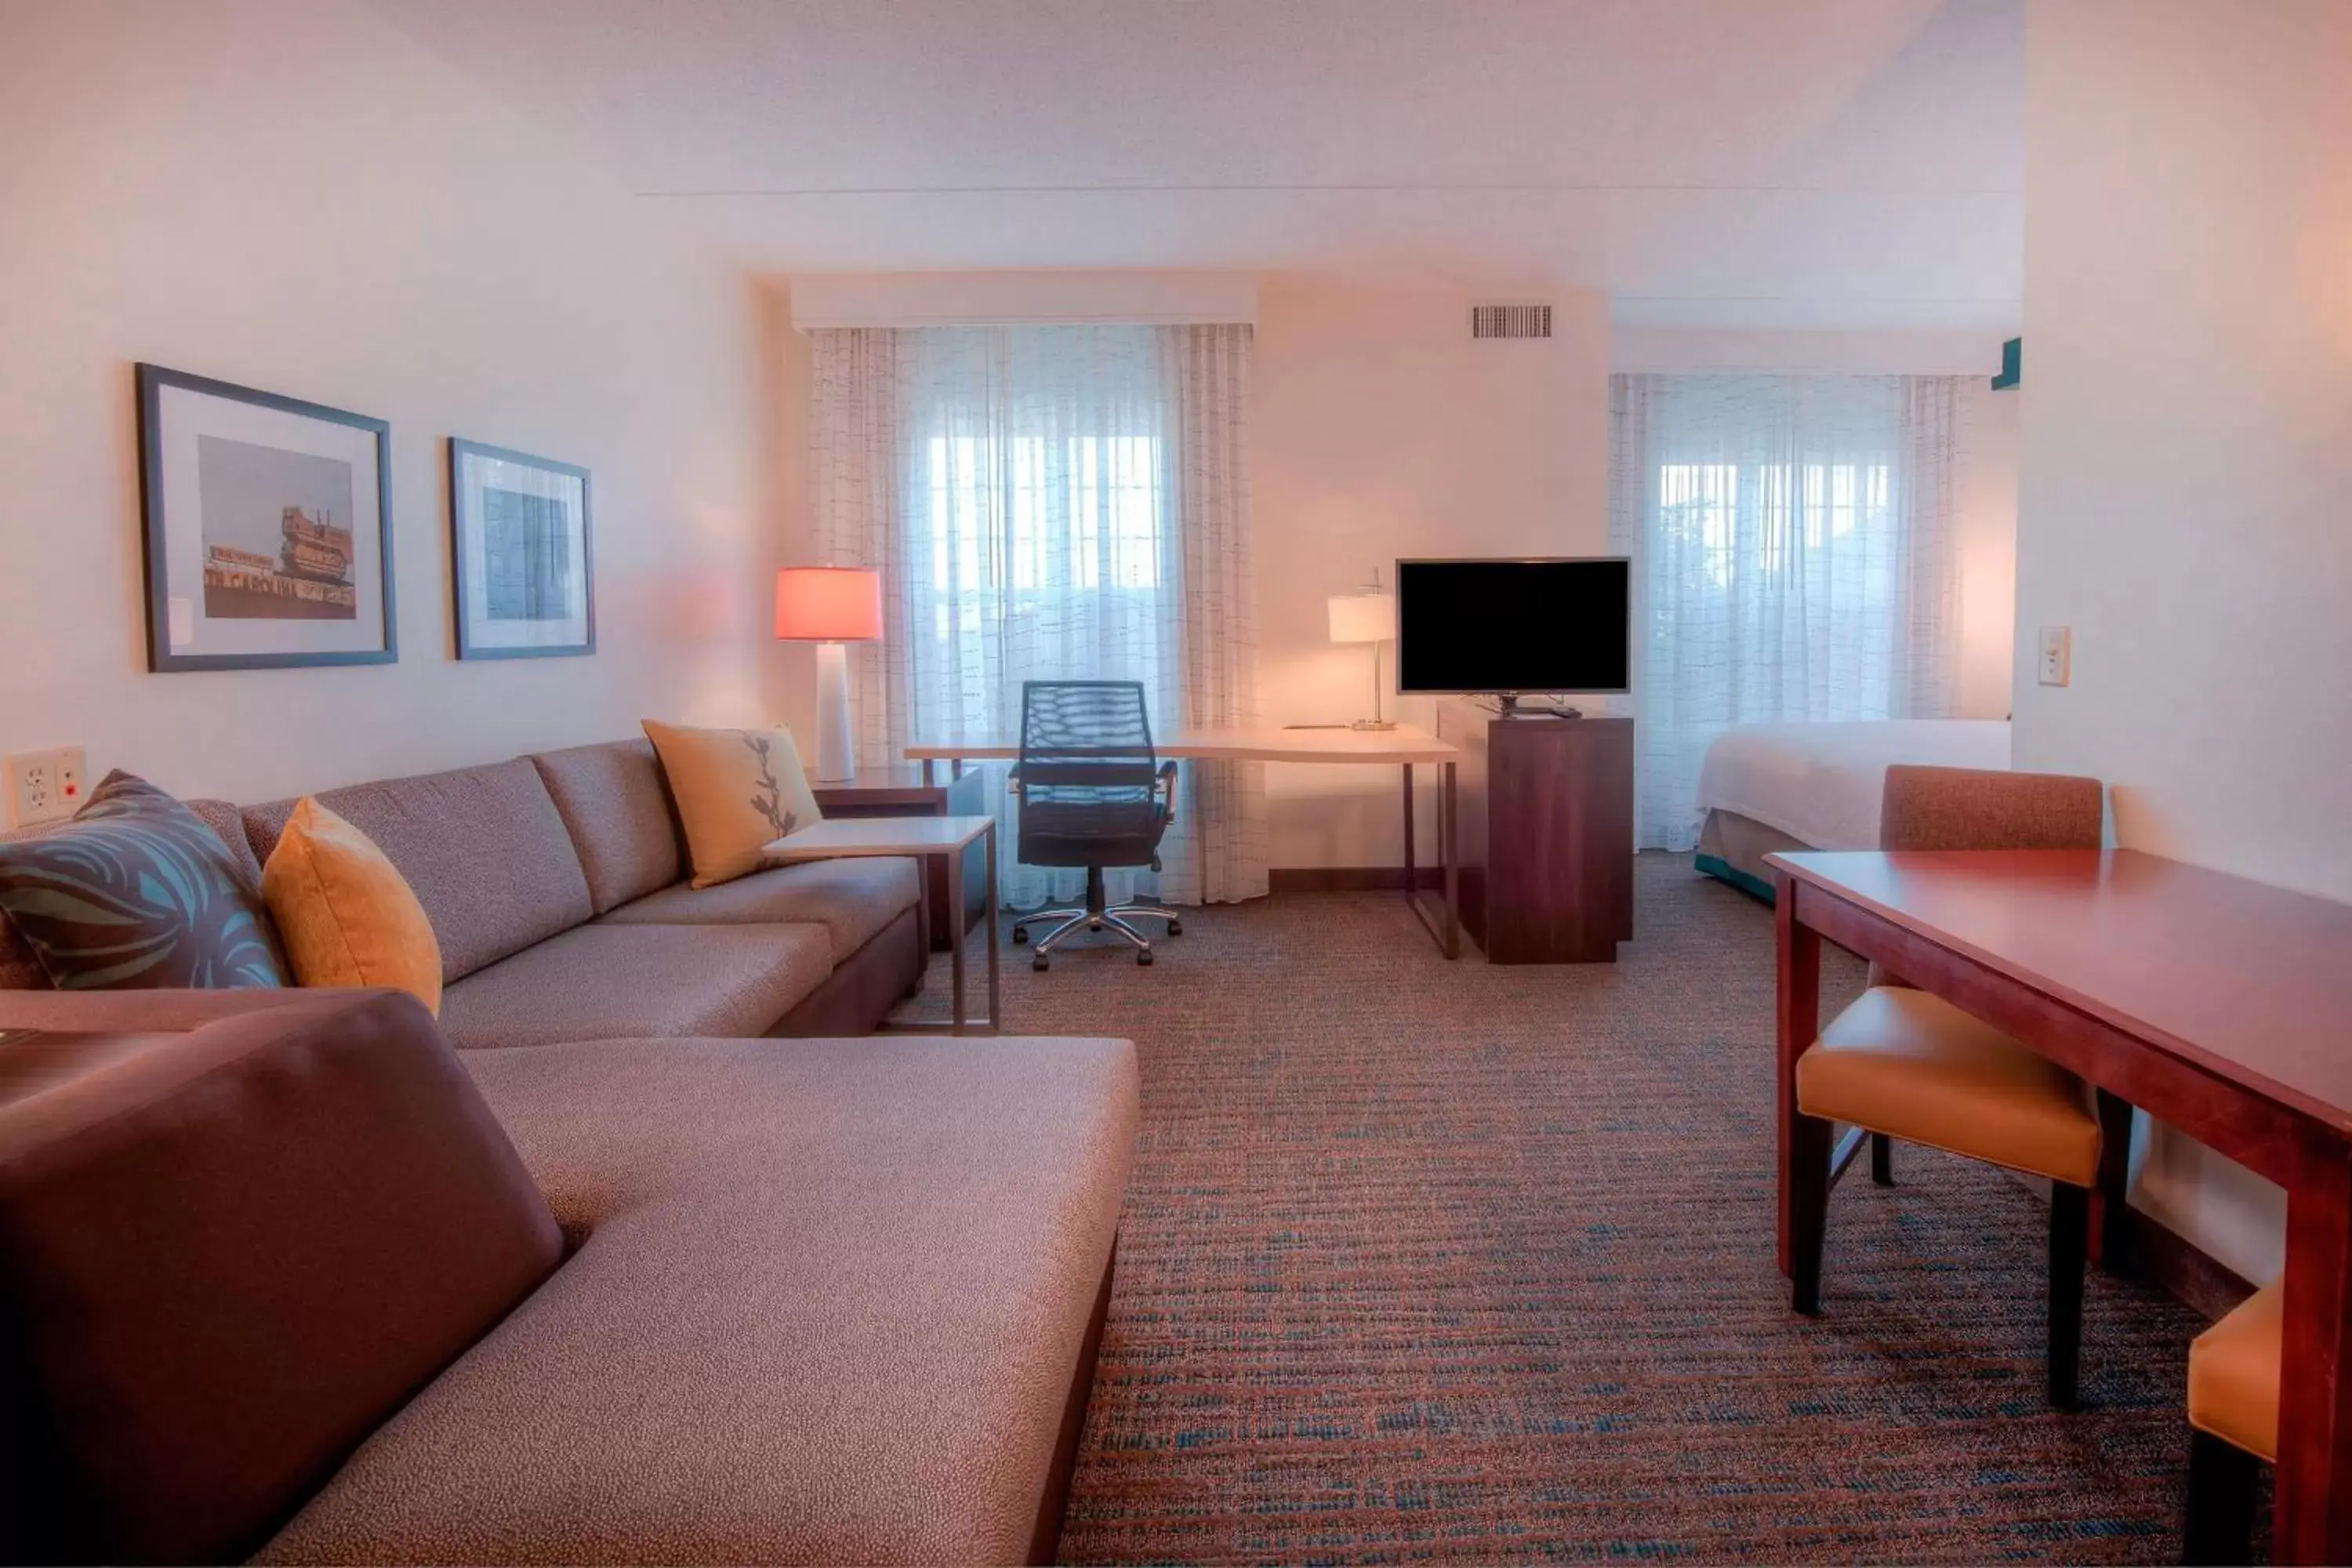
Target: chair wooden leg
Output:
[
  {"x": 1809, "y": 1207},
  {"x": 1882, "y": 1160},
  {"x": 2070, "y": 1229},
  {"x": 2220, "y": 1526}
]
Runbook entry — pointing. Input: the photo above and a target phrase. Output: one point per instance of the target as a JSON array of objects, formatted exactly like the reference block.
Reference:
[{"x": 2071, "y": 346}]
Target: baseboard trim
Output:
[
  {"x": 2194, "y": 1276},
  {"x": 1348, "y": 879}
]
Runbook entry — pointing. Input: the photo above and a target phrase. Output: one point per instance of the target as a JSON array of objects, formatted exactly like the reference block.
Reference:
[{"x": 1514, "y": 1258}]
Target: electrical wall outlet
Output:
[
  {"x": 42, "y": 786},
  {"x": 2057, "y": 655}
]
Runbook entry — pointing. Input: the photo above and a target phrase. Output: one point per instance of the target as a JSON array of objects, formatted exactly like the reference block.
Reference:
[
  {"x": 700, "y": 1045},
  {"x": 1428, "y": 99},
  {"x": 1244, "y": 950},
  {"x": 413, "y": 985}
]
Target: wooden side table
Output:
[
  {"x": 901, "y": 791},
  {"x": 942, "y": 839}
]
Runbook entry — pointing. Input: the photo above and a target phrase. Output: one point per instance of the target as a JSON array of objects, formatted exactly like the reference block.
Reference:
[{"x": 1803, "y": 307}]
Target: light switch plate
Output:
[
  {"x": 71, "y": 790},
  {"x": 2057, "y": 655}
]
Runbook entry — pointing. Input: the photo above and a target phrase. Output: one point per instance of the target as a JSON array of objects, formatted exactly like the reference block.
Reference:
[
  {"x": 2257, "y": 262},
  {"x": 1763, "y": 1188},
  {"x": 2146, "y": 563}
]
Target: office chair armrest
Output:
[{"x": 1168, "y": 788}]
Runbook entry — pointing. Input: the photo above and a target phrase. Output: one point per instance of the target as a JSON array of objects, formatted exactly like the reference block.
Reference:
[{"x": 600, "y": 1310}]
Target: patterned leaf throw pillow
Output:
[{"x": 136, "y": 893}]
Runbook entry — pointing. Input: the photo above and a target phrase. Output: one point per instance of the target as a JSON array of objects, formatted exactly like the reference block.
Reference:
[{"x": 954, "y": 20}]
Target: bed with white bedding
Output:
[{"x": 1765, "y": 787}]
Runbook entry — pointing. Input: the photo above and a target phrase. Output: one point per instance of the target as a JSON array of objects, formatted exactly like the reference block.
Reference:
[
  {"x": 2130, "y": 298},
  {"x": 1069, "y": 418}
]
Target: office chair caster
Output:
[
  {"x": 1020, "y": 936},
  {"x": 1041, "y": 963},
  {"x": 1143, "y": 957},
  {"x": 1175, "y": 928}
]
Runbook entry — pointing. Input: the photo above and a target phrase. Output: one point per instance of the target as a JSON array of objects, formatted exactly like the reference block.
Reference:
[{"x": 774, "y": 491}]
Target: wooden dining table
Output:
[{"x": 2220, "y": 1005}]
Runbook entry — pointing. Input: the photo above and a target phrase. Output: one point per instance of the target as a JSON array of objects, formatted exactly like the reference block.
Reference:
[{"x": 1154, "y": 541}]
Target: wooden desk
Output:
[
  {"x": 2220, "y": 1005},
  {"x": 1402, "y": 746}
]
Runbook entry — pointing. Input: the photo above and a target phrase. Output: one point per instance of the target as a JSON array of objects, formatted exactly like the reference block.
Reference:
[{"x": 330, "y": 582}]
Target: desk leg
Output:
[
  {"x": 955, "y": 936},
  {"x": 1412, "y": 881},
  {"x": 1447, "y": 935},
  {"x": 927, "y": 773},
  {"x": 2313, "y": 1517},
  {"x": 1449, "y": 835},
  {"x": 1800, "y": 1016},
  {"x": 995, "y": 979}
]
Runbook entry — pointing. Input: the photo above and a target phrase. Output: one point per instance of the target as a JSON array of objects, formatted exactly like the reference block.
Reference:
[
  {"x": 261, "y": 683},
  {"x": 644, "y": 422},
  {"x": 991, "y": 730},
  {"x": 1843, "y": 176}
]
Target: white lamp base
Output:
[{"x": 836, "y": 749}]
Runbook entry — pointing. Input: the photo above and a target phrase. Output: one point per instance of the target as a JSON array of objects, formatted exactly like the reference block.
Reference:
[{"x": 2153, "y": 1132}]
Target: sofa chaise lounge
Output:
[{"x": 811, "y": 1300}]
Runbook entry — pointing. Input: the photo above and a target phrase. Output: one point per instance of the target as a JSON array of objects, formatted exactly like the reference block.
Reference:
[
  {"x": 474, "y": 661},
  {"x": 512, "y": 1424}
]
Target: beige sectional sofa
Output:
[
  {"x": 555, "y": 885},
  {"x": 818, "y": 1299}
]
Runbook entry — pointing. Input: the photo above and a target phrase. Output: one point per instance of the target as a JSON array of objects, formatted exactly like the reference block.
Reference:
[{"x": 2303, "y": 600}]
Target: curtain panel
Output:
[
  {"x": 1052, "y": 503},
  {"x": 1794, "y": 559}
]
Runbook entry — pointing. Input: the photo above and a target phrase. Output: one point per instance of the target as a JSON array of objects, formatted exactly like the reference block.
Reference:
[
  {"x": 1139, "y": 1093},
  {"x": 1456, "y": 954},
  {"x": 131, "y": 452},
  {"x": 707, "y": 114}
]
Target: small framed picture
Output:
[
  {"x": 521, "y": 542},
  {"x": 268, "y": 527}
]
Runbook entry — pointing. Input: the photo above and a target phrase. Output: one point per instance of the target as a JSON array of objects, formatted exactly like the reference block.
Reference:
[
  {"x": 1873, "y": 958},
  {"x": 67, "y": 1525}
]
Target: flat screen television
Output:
[{"x": 1513, "y": 627}]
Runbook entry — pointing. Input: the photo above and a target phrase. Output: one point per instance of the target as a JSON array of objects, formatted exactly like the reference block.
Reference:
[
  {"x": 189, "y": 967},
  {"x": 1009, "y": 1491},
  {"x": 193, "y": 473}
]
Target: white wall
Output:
[
  {"x": 1382, "y": 430},
  {"x": 289, "y": 194},
  {"x": 1985, "y": 519},
  {"x": 2188, "y": 457}
]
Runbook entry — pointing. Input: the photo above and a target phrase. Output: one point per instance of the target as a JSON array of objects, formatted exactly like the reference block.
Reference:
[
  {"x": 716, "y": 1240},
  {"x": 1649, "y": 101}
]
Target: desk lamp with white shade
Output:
[
  {"x": 831, "y": 606},
  {"x": 1367, "y": 616}
]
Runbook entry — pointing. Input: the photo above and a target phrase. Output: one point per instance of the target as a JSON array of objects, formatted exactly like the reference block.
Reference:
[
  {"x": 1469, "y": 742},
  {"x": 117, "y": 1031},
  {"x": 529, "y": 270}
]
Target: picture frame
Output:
[
  {"x": 522, "y": 554},
  {"x": 266, "y": 527}
]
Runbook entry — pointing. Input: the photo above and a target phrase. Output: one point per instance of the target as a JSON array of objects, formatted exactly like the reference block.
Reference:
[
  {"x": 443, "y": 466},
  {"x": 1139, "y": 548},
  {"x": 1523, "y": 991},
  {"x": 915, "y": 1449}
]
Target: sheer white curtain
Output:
[
  {"x": 1794, "y": 559},
  {"x": 1052, "y": 502}
]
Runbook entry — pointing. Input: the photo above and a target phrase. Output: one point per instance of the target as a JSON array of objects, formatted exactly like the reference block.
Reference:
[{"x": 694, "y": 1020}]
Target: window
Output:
[
  {"x": 1793, "y": 556},
  {"x": 1106, "y": 491}
]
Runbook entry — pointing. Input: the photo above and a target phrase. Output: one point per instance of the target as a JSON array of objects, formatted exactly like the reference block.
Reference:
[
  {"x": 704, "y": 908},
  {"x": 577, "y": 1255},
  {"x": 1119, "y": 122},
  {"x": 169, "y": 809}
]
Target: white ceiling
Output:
[{"x": 1802, "y": 163}]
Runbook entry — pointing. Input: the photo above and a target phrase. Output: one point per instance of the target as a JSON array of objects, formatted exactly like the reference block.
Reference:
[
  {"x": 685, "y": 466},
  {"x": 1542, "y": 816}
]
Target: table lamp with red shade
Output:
[{"x": 830, "y": 606}]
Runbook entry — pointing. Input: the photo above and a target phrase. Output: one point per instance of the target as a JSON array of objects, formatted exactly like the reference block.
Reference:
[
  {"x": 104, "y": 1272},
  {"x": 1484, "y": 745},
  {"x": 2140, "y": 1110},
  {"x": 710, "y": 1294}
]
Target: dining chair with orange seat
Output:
[
  {"x": 2233, "y": 1406},
  {"x": 1905, "y": 1065}
]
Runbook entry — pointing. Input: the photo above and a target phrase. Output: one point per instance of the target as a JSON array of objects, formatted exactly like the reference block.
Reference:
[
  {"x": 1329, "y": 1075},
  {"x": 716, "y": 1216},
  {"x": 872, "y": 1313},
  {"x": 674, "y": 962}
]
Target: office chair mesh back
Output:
[{"x": 1087, "y": 775}]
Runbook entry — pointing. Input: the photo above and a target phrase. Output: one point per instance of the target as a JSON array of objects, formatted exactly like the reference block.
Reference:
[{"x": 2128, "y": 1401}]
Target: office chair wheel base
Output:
[
  {"x": 1175, "y": 928},
  {"x": 1041, "y": 963},
  {"x": 1143, "y": 957},
  {"x": 1020, "y": 936}
]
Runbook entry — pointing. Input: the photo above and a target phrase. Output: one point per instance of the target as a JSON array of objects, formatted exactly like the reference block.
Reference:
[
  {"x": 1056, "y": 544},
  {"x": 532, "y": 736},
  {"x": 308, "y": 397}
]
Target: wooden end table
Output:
[{"x": 927, "y": 838}]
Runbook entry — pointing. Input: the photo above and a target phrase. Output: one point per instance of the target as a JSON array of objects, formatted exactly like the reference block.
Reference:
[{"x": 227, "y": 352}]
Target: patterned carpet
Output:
[{"x": 1447, "y": 1260}]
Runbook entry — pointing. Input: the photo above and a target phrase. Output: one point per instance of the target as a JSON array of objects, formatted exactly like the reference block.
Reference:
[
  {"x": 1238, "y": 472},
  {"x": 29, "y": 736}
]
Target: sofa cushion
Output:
[
  {"x": 227, "y": 1255},
  {"x": 641, "y": 980},
  {"x": 344, "y": 912},
  {"x": 141, "y": 1011},
  {"x": 616, "y": 805},
  {"x": 226, "y": 820},
  {"x": 852, "y": 898},
  {"x": 827, "y": 1306},
  {"x": 483, "y": 849},
  {"x": 134, "y": 893}
]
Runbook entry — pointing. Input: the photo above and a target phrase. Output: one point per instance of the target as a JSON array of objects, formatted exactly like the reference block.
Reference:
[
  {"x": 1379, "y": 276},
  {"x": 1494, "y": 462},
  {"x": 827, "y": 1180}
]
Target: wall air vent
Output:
[{"x": 1510, "y": 320}]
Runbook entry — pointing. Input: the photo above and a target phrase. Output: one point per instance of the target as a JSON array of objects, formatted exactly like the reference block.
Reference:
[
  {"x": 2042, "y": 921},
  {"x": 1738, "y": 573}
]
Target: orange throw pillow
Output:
[
  {"x": 345, "y": 913},
  {"x": 737, "y": 790}
]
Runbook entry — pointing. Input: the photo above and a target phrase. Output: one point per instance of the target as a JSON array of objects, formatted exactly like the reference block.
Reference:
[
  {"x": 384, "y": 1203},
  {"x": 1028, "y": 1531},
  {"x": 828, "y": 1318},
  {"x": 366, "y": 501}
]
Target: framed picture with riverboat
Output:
[
  {"x": 268, "y": 527},
  {"x": 520, "y": 536}
]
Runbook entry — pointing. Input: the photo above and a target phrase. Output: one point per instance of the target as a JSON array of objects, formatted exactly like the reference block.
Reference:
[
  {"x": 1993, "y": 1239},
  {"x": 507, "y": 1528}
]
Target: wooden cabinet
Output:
[
  {"x": 899, "y": 791},
  {"x": 1547, "y": 823}
]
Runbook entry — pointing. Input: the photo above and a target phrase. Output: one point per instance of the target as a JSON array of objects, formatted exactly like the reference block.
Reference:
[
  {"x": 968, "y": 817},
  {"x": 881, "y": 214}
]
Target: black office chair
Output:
[{"x": 1093, "y": 792}]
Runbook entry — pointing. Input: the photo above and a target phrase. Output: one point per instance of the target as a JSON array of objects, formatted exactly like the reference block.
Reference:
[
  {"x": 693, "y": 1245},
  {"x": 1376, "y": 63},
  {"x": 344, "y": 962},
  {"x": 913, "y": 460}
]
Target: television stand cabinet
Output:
[{"x": 1546, "y": 834}]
